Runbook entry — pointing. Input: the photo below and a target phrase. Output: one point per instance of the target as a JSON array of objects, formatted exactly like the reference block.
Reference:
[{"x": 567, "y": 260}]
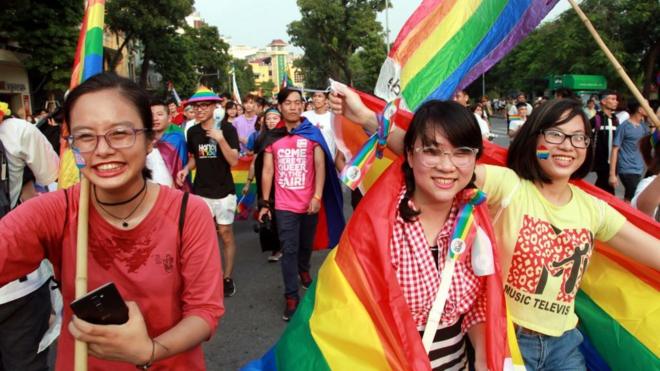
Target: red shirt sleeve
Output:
[
  {"x": 31, "y": 232},
  {"x": 201, "y": 269}
]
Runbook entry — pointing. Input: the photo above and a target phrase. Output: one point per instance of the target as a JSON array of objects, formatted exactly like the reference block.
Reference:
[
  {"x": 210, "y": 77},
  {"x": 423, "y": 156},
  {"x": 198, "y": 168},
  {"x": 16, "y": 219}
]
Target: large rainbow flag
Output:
[
  {"x": 88, "y": 62},
  {"x": 354, "y": 316},
  {"x": 619, "y": 299},
  {"x": 447, "y": 44}
]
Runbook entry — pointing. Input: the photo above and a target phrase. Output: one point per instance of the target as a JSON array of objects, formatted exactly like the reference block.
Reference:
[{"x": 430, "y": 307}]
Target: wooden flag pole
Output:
[
  {"x": 80, "y": 350},
  {"x": 617, "y": 66}
]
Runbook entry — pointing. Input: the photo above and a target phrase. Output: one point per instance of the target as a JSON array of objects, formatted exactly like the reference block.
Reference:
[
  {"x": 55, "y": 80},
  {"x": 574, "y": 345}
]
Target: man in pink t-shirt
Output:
[{"x": 298, "y": 167}]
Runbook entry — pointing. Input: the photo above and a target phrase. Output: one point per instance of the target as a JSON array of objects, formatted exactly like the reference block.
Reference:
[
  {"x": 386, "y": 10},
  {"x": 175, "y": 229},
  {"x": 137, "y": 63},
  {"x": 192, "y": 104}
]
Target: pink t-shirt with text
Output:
[{"x": 293, "y": 159}]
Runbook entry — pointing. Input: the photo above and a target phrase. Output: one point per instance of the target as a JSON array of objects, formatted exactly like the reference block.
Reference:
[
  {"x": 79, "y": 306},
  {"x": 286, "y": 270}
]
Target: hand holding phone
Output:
[{"x": 103, "y": 306}]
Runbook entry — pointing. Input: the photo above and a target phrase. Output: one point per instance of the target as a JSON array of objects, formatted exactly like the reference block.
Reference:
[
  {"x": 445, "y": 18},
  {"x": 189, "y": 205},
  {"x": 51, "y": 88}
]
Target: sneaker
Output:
[
  {"x": 290, "y": 308},
  {"x": 230, "y": 287},
  {"x": 305, "y": 279},
  {"x": 275, "y": 257}
]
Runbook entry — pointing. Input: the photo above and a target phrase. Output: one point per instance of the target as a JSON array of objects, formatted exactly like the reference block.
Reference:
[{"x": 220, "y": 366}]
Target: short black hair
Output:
[
  {"x": 522, "y": 158},
  {"x": 633, "y": 106},
  {"x": 284, "y": 94},
  {"x": 158, "y": 102},
  {"x": 458, "y": 125},
  {"x": 605, "y": 93},
  {"x": 130, "y": 91},
  {"x": 521, "y": 105}
]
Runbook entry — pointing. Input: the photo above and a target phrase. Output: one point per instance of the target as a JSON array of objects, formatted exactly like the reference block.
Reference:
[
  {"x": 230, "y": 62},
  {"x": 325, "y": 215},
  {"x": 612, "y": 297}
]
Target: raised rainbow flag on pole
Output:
[
  {"x": 88, "y": 62},
  {"x": 447, "y": 44}
]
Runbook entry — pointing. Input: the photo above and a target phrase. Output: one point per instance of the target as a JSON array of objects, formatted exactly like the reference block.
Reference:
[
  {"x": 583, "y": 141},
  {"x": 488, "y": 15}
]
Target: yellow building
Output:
[{"x": 272, "y": 63}]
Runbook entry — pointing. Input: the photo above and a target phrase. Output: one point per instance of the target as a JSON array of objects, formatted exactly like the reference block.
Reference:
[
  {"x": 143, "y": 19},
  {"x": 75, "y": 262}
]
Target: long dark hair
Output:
[
  {"x": 127, "y": 89},
  {"x": 522, "y": 151},
  {"x": 457, "y": 124}
]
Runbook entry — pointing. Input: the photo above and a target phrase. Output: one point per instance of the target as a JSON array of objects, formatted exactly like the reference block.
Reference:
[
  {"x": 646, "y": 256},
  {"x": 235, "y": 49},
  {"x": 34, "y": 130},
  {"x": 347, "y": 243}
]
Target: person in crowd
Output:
[
  {"x": 176, "y": 114},
  {"x": 300, "y": 168},
  {"x": 156, "y": 244},
  {"x": 647, "y": 194},
  {"x": 212, "y": 152},
  {"x": 517, "y": 120},
  {"x": 534, "y": 205},
  {"x": 590, "y": 109},
  {"x": 169, "y": 154},
  {"x": 25, "y": 306},
  {"x": 244, "y": 123},
  {"x": 627, "y": 163},
  {"x": 272, "y": 130},
  {"x": 513, "y": 108},
  {"x": 462, "y": 97},
  {"x": 239, "y": 109},
  {"x": 604, "y": 125},
  {"x": 478, "y": 111},
  {"x": 321, "y": 117}
]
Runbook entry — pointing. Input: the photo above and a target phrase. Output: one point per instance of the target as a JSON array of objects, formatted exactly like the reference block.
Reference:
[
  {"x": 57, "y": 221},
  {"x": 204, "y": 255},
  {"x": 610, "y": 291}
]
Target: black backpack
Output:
[{"x": 5, "y": 203}]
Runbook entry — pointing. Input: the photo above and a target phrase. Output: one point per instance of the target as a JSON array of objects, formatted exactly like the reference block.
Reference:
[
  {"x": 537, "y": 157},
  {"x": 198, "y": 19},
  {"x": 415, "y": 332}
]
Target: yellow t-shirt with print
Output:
[{"x": 545, "y": 248}]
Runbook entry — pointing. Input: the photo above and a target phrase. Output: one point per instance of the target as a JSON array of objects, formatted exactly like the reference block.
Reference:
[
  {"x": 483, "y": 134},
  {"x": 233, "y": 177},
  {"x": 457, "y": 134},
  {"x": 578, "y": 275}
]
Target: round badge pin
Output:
[
  {"x": 353, "y": 173},
  {"x": 457, "y": 246}
]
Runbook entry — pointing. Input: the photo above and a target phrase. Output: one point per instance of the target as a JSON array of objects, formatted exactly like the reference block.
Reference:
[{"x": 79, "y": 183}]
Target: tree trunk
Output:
[
  {"x": 649, "y": 67},
  {"x": 144, "y": 69},
  {"x": 112, "y": 64}
]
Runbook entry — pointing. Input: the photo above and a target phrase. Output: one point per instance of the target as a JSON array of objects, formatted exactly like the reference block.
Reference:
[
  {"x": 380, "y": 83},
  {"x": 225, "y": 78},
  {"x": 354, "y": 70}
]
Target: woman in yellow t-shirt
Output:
[{"x": 545, "y": 226}]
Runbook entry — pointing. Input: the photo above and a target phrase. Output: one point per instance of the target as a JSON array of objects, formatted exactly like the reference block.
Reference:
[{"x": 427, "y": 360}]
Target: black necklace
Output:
[
  {"x": 124, "y": 220},
  {"x": 120, "y": 202}
]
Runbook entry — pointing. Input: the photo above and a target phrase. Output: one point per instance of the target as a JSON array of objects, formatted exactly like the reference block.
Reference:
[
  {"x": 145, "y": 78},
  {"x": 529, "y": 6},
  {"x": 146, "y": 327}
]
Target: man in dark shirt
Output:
[
  {"x": 604, "y": 125},
  {"x": 213, "y": 151}
]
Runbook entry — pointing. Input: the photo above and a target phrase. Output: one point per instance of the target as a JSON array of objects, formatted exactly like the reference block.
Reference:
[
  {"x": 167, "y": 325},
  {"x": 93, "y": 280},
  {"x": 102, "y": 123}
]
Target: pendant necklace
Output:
[{"x": 124, "y": 220}]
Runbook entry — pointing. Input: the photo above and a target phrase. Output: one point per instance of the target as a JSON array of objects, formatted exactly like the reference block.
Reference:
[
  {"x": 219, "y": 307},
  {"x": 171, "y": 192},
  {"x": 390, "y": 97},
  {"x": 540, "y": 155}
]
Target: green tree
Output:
[
  {"x": 48, "y": 33},
  {"x": 244, "y": 77},
  {"x": 146, "y": 21},
  {"x": 330, "y": 32},
  {"x": 366, "y": 62},
  {"x": 564, "y": 46},
  {"x": 267, "y": 87}
]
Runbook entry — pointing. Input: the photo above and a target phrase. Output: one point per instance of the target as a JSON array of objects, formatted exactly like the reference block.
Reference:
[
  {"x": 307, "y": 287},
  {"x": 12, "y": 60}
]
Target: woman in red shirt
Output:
[{"x": 170, "y": 279}]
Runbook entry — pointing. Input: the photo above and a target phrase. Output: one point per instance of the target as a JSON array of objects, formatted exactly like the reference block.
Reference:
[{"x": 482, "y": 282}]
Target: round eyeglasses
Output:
[
  {"x": 117, "y": 138},
  {"x": 431, "y": 156},
  {"x": 557, "y": 137}
]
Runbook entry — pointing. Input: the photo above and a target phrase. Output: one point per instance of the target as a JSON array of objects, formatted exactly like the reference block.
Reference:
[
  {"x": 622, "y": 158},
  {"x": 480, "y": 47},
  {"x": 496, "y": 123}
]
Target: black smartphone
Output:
[{"x": 103, "y": 306}]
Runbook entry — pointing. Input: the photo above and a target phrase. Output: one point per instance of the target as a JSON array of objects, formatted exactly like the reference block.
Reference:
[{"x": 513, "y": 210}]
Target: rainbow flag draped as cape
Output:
[
  {"x": 354, "y": 316},
  {"x": 88, "y": 62},
  {"x": 619, "y": 299},
  {"x": 447, "y": 44},
  {"x": 173, "y": 149}
]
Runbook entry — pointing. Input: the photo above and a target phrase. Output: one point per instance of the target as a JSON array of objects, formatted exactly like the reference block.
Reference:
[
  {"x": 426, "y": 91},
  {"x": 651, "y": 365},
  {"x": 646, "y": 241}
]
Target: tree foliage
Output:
[
  {"x": 47, "y": 32},
  {"x": 564, "y": 46},
  {"x": 244, "y": 77},
  {"x": 330, "y": 32}
]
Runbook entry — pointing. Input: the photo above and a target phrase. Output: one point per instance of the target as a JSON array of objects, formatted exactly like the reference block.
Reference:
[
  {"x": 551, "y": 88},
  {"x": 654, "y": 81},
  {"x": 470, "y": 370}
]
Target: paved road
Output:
[{"x": 252, "y": 322}]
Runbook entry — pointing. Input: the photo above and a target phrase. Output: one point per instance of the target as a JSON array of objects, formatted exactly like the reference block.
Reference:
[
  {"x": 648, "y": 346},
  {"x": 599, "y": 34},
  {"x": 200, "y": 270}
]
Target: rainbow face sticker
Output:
[{"x": 542, "y": 153}]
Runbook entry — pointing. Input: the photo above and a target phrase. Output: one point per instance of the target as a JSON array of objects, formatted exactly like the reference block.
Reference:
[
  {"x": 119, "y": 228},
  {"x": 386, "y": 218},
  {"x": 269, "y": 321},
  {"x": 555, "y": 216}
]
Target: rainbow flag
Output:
[
  {"x": 239, "y": 173},
  {"x": 619, "y": 299},
  {"x": 88, "y": 62},
  {"x": 354, "y": 316},
  {"x": 447, "y": 44}
]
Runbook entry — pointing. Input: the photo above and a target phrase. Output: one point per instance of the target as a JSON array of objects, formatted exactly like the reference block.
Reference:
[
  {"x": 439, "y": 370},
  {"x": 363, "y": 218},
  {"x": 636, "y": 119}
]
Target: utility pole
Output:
[{"x": 387, "y": 25}]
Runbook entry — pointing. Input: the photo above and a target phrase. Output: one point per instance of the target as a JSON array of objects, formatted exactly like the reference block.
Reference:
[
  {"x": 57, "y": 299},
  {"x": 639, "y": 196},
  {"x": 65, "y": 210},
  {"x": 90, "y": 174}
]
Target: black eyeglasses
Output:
[
  {"x": 117, "y": 138},
  {"x": 557, "y": 137}
]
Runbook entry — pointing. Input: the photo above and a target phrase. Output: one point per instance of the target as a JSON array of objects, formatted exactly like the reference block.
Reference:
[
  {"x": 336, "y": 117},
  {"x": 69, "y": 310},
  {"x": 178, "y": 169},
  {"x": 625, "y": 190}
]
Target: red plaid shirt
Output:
[{"x": 419, "y": 276}]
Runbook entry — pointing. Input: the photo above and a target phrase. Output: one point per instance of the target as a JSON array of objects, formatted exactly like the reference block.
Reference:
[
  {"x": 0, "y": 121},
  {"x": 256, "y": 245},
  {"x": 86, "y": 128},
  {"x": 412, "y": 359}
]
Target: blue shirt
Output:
[{"x": 627, "y": 136}]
